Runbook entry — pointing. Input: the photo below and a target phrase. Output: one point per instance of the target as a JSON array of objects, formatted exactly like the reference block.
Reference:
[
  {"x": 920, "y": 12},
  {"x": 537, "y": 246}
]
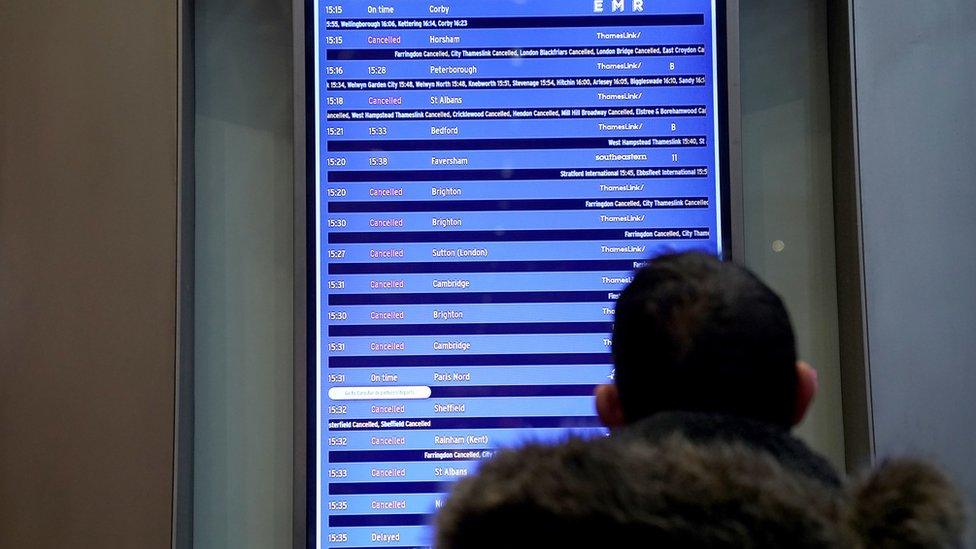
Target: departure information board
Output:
[{"x": 485, "y": 178}]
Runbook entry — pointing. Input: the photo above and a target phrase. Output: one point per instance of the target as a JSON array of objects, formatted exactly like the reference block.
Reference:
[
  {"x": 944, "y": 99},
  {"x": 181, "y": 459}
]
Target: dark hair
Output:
[{"x": 696, "y": 334}]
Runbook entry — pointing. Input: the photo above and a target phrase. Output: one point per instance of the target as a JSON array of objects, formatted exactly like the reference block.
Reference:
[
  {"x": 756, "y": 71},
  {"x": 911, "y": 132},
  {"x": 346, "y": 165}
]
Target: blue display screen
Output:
[{"x": 486, "y": 177}]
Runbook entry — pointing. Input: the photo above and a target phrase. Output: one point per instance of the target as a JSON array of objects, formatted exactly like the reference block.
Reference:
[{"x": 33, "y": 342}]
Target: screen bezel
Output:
[{"x": 305, "y": 321}]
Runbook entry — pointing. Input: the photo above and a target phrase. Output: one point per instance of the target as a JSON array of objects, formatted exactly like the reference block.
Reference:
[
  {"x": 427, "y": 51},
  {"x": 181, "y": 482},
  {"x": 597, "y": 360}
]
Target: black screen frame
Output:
[{"x": 306, "y": 322}]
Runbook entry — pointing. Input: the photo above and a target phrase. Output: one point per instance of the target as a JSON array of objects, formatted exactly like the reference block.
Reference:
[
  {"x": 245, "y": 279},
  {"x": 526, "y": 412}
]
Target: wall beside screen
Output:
[
  {"x": 788, "y": 197},
  {"x": 244, "y": 237},
  {"x": 914, "y": 129}
]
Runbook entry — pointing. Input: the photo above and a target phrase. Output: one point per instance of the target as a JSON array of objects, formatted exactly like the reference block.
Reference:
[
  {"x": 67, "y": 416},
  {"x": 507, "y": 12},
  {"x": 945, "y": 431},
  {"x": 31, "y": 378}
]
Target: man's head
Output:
[{"x": 692, "y": 333}]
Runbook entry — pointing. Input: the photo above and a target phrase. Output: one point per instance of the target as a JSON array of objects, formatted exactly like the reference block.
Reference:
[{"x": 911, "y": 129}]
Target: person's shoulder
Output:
[
  {"x": 673, "y": 492},
  {"x": 670, "y": 489},
  {"x": 906, "y": 503}
]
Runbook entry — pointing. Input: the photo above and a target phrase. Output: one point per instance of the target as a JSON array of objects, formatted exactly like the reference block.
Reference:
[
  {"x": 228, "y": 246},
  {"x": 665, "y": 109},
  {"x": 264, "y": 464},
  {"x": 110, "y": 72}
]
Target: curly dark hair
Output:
[{"x": 696, "y": 334}]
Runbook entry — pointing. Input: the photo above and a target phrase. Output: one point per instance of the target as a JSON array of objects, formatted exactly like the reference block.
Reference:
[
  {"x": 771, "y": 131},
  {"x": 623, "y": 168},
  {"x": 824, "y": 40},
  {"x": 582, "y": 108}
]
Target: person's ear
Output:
[
  {"x": 608, "y": 406},
  {"x": 806, "y": 388}
]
